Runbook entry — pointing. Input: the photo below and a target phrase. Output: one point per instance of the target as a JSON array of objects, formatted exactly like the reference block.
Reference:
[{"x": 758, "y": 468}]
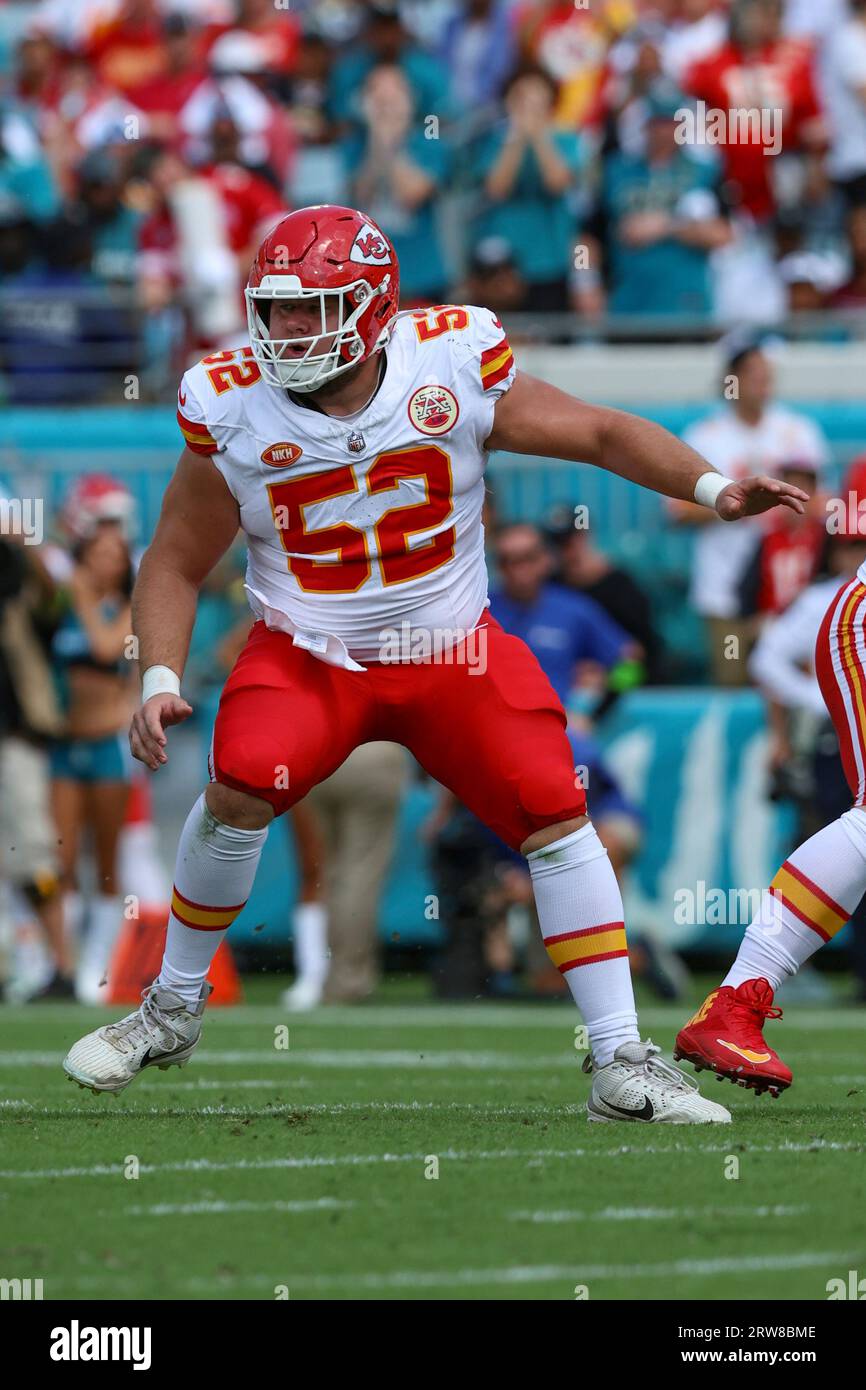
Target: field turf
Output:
[{"x": 304, "y": 1169}]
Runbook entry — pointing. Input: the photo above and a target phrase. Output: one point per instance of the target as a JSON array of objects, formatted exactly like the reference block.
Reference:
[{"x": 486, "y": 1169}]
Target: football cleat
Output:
[
  {"x": 162, "y": 1032},
  {"x": 726, "y": 1035},
  {"x": 639, "y": 1086}
]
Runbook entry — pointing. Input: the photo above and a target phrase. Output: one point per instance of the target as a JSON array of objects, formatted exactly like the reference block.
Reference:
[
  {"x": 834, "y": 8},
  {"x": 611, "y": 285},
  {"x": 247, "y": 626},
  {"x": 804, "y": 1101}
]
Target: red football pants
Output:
[
  {"x": 493, "y": 734},
  {"x": 840, "y": 665}
]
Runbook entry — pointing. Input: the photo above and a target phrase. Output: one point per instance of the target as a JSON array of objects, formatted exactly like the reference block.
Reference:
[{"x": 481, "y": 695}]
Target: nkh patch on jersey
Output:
[
  {"x": 370, "y": 247},
  {"x": 281, "y": 455}
]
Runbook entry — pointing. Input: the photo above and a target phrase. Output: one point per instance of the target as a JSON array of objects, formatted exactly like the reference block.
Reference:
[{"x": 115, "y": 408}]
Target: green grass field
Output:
[{"x": 261, "y": 1167}]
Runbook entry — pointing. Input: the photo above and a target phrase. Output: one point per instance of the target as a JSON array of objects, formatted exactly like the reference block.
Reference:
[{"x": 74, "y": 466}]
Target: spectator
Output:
[
  {"x": 173, "y": 260},
  {"x": 757, "y": 70},
  {"x": 479, "y": 51},
  {"x": 846, "y": 105},
  {"x": 791, "y": 550},
  {"x": 398, "y": 174},
  {"x": 529, "y": 168},
  {"x": 238, "y": 83},
  {"x": 37, "y": 74},
  {"x": 571, "y": 42},
  {"x": 25, "y": 173},
  {"x": 278, "y": 32},
  {"x": 572, "y": 636},
  {"x": 584, "y": 568},
  {"x": 385, "y": 42},
  {"x": 91, "y": 764},
  {"x": 250, "y": 202},
  {"x": 494, "y": 279},
  {"x": 163, "y": 95},
  {"x": 29, "y": 717},
  {"x": 129, "y": 48},
  {"x": 356, "y": 810},
  {"x": 751, "y": 434},
  {"x": 698, "y": 30},
  {"x": 113, "y": 225},
  {"x": 852, "y": 295},
  {"x": 665, "y": 219}
]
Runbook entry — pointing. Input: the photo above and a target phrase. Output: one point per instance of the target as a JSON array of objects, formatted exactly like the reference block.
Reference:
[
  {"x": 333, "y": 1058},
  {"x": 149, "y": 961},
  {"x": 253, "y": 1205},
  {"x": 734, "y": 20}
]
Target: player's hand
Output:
[
  {"x": 147, "y": 730},
  {"x": 755, "y": 495}
]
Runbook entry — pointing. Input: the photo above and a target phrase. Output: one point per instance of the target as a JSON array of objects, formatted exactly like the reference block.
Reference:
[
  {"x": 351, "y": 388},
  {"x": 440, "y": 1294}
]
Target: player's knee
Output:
[
  {"x": 854, "y": 825},
  {"x": 255, "y": 766},
  {"x": 551, "y": 833},
  {"x": 239, "y": 809}
]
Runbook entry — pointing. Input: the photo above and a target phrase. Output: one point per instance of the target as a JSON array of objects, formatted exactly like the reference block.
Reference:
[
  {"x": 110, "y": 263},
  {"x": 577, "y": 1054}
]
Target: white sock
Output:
[
  {"x": 580, "y": 912},
  {"x": 809, "y": 901},
  {"x": 310, "y": 926},
  {"x": 216, "y": 866}
]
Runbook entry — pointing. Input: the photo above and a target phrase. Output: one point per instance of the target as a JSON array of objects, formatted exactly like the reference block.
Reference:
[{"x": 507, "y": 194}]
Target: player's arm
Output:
[
  {"x": 535, "y": 418},
  {"x": 198, "y": 522}
]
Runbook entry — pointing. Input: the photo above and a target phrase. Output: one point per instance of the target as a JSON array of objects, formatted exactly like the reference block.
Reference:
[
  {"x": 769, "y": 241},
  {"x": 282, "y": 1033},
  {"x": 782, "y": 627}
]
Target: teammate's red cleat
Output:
[{"x": 726, "y": 1035}]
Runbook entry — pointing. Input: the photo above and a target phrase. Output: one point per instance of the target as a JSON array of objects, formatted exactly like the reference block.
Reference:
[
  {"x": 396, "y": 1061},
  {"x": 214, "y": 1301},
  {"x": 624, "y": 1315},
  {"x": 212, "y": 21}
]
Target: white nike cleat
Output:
[
  {"x": 639, "y": 1086},
  {"x": 162, "y": 1033},
  {"x": 303, "y": 995}
]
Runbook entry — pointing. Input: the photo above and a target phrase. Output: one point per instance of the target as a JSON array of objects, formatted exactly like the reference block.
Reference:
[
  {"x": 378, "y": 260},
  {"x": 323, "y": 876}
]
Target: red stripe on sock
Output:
[
  {"x": 801, "y": 916},
  {"x": 591, "y": 960},
  {"x": 813, "y": 888}
]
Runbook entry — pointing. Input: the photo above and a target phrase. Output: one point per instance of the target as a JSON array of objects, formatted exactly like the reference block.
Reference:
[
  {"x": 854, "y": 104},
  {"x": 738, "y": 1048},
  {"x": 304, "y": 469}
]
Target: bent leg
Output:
[
  {"x": 285, "y": 721},
  {"x": 497, "y": 740}
]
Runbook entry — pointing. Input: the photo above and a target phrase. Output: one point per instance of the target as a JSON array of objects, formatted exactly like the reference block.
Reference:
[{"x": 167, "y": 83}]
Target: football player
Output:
[
  {"x": 818, "y": 888},
  {"x": 349, "y": 441}
]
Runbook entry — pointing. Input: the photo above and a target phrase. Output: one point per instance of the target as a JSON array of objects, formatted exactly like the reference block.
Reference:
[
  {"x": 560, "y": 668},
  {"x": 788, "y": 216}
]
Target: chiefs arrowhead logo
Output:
[
  {"x": 281, "y": 455},
  {"x": 370, "y": 247}
]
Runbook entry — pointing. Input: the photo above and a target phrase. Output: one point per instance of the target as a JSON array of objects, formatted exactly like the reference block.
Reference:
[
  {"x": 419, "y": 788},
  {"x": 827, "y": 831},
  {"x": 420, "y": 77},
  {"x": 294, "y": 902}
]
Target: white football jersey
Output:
[{"x": 363, "y": 526}]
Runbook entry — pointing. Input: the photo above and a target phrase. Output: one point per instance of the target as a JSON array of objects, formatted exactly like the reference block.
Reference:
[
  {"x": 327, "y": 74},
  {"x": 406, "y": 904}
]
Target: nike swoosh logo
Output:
[
  {"x": 646, "y": 1113},
  {"x": 755, "y": 1057}
]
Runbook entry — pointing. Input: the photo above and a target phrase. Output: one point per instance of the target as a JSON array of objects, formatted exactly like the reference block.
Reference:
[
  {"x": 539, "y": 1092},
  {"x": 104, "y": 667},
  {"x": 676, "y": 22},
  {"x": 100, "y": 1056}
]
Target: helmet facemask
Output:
[{"x": 310, "y": 370}]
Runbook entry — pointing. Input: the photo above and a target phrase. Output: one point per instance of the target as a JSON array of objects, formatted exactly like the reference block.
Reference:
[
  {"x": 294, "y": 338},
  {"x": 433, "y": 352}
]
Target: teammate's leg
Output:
[{"x": 814, "y": 893}]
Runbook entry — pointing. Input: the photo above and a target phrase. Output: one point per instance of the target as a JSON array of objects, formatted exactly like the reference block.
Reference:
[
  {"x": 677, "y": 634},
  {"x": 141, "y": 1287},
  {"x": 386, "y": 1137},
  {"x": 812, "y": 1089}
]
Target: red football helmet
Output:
[{"x": 339, "y": 257}]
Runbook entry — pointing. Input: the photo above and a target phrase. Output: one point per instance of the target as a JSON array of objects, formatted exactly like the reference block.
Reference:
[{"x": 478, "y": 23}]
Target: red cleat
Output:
[{"x": 726, "y": 1035}]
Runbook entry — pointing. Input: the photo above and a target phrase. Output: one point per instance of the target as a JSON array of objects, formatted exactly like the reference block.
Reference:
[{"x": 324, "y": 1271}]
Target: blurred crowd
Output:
[{"x": 539, "y": 156}]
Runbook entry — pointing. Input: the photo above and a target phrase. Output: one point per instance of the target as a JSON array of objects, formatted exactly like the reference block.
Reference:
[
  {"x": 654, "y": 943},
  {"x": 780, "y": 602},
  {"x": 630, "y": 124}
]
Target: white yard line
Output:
[
  {"x": 571, "y": 1274},
  {"x": 558, "y": 1218},
  {"x": 218, "y": 1208},
  {"x": 204, "y": 1165}
]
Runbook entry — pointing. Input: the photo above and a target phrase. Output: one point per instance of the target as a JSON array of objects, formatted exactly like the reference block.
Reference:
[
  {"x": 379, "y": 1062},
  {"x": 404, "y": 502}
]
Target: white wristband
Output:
[
  {"x": 159, "y": 680},
  {"x": 708, "y": 487}
]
